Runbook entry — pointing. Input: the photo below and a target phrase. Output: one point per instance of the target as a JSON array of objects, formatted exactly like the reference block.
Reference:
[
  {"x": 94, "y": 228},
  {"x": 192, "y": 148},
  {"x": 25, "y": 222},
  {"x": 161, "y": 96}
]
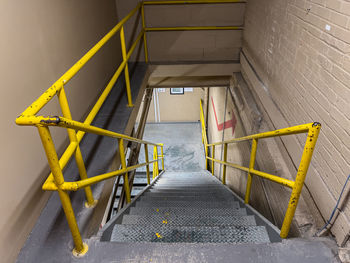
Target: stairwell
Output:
[
  {"x": 187, "y": 215},
  {"x": 185, "y": 203},
  {"x": 191, "y": 207}
]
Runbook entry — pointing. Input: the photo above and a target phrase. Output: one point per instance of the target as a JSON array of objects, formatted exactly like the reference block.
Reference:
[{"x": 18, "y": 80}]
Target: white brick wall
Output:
[{"x": 306, "y": 69}]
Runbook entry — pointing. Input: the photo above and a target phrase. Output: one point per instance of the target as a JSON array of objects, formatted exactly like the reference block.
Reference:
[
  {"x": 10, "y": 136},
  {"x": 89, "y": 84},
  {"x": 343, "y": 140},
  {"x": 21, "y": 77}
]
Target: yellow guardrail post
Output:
[
  {"x": 204, "y": 134},
  {"x": 155, "y": 164},
  {"x": 144, "y": 32},
  {"x": 123, "y": 163},
  {"x": 126, "y": 68},
  {"x": 213, "y": 156},
  {"x": 224, "y": 168},
  {"x": 45, "y": 135},
  {"x": 206, "y": 156},
  {"x": 90, "y": 202},
  {"x": 147, "y": 166},
  {"x": 300, "y": 178},
  {"x": 251, "y": 167},
  {"x": 162, "y": 154}
]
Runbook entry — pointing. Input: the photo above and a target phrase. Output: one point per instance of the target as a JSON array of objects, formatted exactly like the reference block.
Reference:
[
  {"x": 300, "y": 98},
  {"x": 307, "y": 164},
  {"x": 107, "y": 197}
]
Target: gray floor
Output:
[
  {"x": 50, "y": 239},
  {"x": 289, "y": 251},
  {"x": 183, "y": 148}
]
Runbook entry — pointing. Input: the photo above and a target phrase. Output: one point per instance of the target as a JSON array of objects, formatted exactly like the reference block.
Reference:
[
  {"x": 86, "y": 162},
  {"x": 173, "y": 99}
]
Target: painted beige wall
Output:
[
  {"x": 177, "y": 108},
  {"x": 187, "y": 46},
  {"x": 194, "y": 45},
  {"x": 300, "y": 54},
  {"x": 236, "y": 153},
  {"x": 40, "y": 41}
]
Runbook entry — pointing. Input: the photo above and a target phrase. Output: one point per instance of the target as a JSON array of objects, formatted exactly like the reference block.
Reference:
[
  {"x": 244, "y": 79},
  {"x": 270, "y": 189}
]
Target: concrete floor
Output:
[
  {"x": 50, "y": 239},
  {"x": 183, "y": 148}
]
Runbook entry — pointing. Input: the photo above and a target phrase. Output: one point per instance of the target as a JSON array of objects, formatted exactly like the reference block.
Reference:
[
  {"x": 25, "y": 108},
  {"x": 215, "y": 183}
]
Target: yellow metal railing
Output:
[
  {"x": 312, "y": 130},
  {"x": 76, "y": 130}
]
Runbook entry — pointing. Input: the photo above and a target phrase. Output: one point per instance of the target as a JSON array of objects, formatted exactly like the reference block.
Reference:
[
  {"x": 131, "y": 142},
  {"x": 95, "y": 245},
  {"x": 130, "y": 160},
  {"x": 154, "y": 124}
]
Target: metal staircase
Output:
[{"x": 189, "y": 207}]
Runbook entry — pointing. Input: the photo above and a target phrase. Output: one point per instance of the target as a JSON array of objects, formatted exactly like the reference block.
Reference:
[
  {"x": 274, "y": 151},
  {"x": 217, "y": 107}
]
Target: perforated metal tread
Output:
[
  {"x": 182, "y": 190},
  {"x": 178, "y": 211},
  {"x": 193, "y": 220},
  {"x": 187, "y": 194},
  {"x": 185, "y": 186},
  {"x": 186, "y": 182},
  {"x": 186, "y": 189},
  {"x": 194, "y": 204},
  {"x": 188, "y": 198},
  {"x": 181, "y": 234}
]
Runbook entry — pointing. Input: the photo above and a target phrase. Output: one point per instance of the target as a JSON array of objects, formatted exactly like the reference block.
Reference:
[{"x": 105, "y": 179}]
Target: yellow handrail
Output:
[
  {"x": 312, "y": 130},
  {"x": 76, "y": 130}
]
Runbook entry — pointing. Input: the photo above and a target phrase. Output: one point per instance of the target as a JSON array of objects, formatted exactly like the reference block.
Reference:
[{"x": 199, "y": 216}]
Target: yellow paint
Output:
[
  {"x": 300, "y": 178},
  {"x": 52, "y": 158},
  {"x": 224, "y": 168},
  {"x": 213, "y": 158},
  {"x": 157, "y": 210},
  {"x": 204, "y": 133},
  {"x": 76, "y": 130},
  {"x": 144, "y": 34},
  {"x": 126, "y": 68},
  {"x": 165, "y": 221},
  {"x": 81, "y": 253},
  {"x": 123, "y": 163},
  {"x": 162, "y": 155},
  {"x": 155, "y": 164},
  {"x": 147, "y": 166},
  {"x": 62, "y": 98},
  {"x": 159, "y": 235},
  {"x": 36, "y": 106},
  {"x": 312, "y": 129},
  {"x": 251, "y": 168}
]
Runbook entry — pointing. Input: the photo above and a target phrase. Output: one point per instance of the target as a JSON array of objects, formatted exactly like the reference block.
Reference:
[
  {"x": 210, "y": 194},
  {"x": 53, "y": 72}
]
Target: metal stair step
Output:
[
  {"x": 185, "y": 211},
  {"x": 188, "y": 194},
  {"x": 187, "y": 185},
  {"x": 191, "y": 220},
  {"x": 187, "y": 180},
  {"x": 187, "y": 188},
  {"x": 199, "y": 204},
  {"x": 179, "y": 191},
  {"x": 187, "y": 198},
  {"x": 190, "y": 234}
]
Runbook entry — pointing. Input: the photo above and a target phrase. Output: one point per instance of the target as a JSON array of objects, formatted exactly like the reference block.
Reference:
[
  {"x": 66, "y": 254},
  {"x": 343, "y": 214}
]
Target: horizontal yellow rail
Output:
[
  {"x": 192, "y": 2},
  {"x": 312, "y": 129},
  {"x": 67, "y": 123},
  {"x": 75, "y": 186},
  {"x": 76, "y": 130},
  {"x": 193, "y": 28},
  {"x": 37, "y": 105},
  {"x": 261, "y": 174},
  {"x": 281, "y": 132}
]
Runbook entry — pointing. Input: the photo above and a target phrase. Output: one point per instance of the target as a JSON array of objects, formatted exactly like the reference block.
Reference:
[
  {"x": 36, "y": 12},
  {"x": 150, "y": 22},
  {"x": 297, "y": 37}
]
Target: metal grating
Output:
[
  {"x": 181, "y": 234},
  {"x": 207, "y": 197},
  {"x": 183, "y": 194},
  {"x": 192, "y": 220},
  {"x": 192, "y": 204},
  {"x": 187, "y": 211}
]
